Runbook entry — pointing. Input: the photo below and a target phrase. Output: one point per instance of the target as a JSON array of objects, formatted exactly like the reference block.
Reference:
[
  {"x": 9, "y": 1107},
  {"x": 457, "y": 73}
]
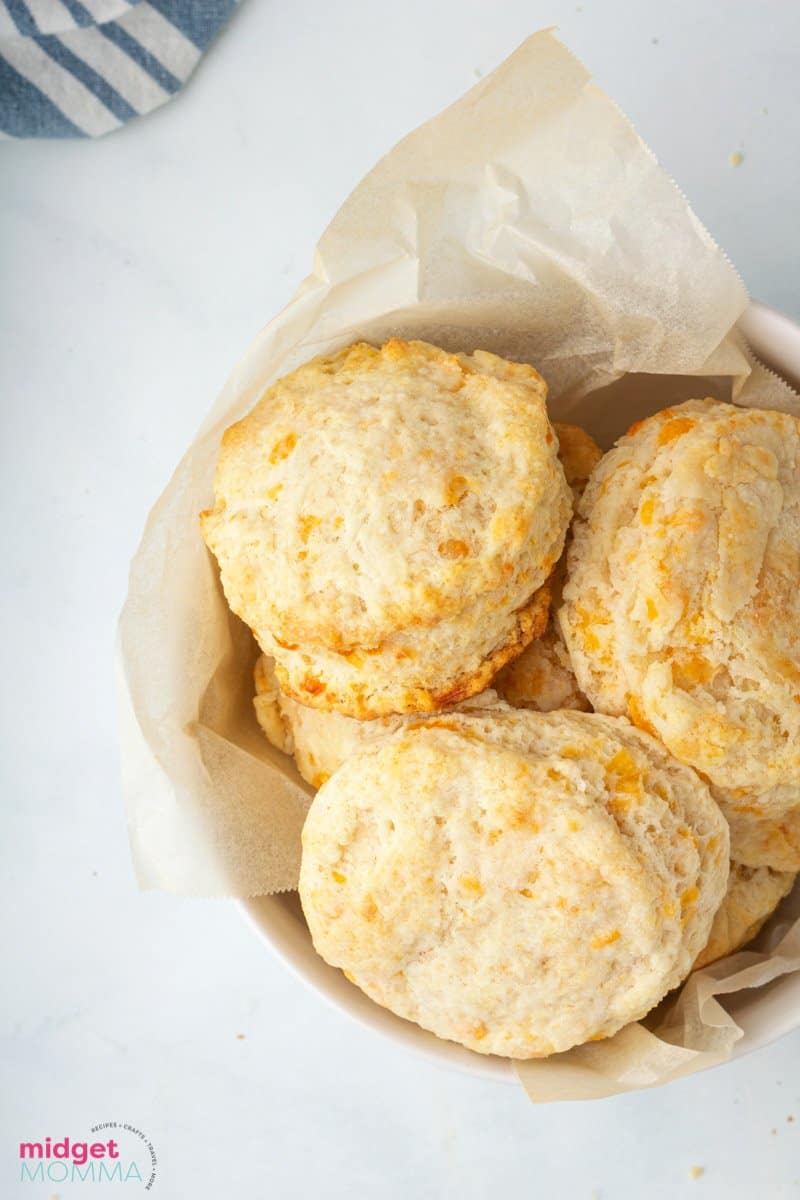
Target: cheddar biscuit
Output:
[
  {"x": 542, "y": 677},
  {"x": 682, "y": 603},
  {"x": 753, "y": 895},
  {"x": 383, "y": 520},
  {"x": 758, "y": 841},
  {"x": 321, "y": 741},
  {"x": 518, "y": 882},
  {"x": 416, "y": 670},
  {"x": 579, "y": 454}
]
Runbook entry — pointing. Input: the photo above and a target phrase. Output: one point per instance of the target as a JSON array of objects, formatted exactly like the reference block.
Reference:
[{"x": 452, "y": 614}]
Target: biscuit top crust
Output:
[
  {"x": 682, "y": 606},
  {"x": 380, "y": 489},
  {"x": 519, "y": 882}
]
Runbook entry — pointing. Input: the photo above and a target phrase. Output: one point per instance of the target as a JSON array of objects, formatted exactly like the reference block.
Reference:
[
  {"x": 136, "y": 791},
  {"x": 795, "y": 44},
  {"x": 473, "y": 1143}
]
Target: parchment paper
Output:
[{"x": 528, "y": 219}]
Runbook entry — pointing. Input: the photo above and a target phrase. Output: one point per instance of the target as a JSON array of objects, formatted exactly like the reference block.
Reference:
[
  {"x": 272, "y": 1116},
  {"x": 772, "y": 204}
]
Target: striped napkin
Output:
[{"x": 82, "y": 68}]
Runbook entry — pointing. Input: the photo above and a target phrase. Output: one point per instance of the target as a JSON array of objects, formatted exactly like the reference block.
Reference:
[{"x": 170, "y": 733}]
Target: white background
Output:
[{"x": 134, "y": 271}]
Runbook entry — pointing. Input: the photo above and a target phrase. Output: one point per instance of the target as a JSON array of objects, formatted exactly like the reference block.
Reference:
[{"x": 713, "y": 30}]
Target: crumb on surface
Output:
[
  {"x": 790, "y": 1118},
  {"x": 736, "y": 159},
  {"x": 240, "y": 1037},
  {"x": 696, "y": 1172}
]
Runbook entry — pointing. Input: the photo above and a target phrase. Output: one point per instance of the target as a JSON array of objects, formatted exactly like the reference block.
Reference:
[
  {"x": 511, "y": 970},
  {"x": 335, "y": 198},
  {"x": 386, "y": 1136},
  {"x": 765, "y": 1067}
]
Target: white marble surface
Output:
[{"x": 134, "y": 271}]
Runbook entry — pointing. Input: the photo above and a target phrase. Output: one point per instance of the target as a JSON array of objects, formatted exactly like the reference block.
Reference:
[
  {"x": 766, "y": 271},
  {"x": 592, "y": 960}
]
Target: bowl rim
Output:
[{"x": 774, "y": 337}]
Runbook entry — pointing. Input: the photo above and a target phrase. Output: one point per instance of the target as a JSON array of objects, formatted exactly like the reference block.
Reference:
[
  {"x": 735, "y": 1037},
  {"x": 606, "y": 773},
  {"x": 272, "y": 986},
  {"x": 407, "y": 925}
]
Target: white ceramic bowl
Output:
[{"x": 764, "y": 1014}]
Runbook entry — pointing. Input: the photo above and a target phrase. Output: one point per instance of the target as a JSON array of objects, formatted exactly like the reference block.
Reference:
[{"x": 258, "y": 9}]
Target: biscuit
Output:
[
  {"x": 417, "y": 670},
  {"x": 320, "y": 741},
  {"x": 579, "y": 454},
  {"x": 518, "y": 882},
  {"x": 764, "y": 841},
  {"x": 682, "y": 602},
  {"x": 542, "y": 677},
  {"x": 753, "y": 895},
  {"x": 383, "y": 520}
]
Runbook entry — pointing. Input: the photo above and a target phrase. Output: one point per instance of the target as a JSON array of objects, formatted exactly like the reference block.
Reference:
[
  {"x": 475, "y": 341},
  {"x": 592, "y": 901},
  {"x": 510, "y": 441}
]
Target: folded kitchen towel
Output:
[{"x": 81, "y": 68}]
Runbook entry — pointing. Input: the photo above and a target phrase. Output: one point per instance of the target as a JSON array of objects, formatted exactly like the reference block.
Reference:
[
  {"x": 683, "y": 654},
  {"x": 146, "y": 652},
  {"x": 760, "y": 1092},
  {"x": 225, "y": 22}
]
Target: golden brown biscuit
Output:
[
  {"x": 753, "y": 895},
  {"x": 757, "y": 840},
  {"x": 321, "y": 741},
  {"x": 417, "y": 670},
  {"x": 579, "y": 454},
  {"x": 682, "y": 604},
  {"x": 383, "y": 520},
  {"x": 542, "y": 677},
  {"x": 518, "y": 882}
]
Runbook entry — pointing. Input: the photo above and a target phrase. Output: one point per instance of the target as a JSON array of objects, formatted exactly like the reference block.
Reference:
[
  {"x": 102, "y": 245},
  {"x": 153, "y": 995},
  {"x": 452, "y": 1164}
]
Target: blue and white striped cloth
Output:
[{"x": 82, "y": 68}]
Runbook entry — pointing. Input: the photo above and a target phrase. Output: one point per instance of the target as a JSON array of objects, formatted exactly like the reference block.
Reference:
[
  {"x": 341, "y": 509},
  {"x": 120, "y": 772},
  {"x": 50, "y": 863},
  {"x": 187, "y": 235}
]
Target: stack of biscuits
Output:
[{"x": 550, "y": 698}]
